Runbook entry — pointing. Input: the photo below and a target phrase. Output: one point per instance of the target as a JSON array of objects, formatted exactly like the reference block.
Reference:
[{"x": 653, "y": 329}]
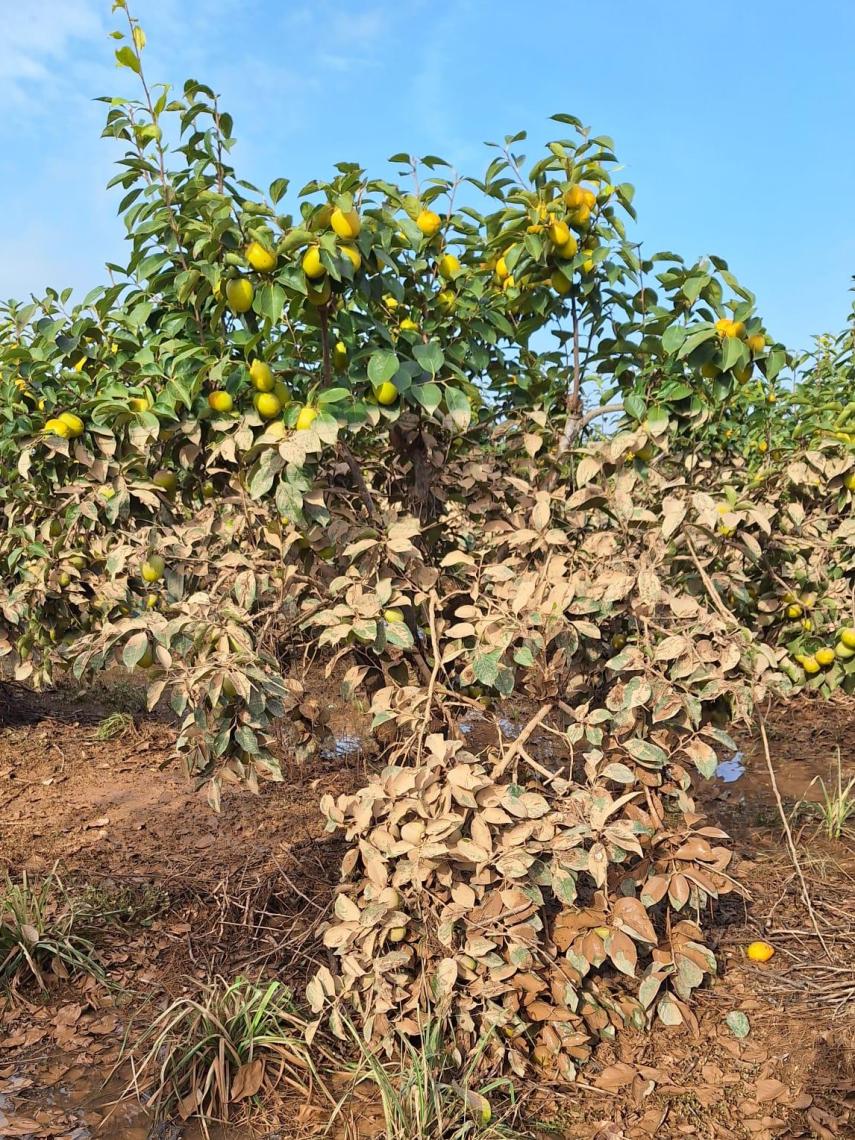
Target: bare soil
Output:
[{"x": 194, "y": 894}]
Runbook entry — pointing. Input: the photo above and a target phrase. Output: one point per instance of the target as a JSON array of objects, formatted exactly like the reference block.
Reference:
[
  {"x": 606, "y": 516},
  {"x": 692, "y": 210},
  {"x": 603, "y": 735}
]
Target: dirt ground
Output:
[{"x": 196, "y": 894}]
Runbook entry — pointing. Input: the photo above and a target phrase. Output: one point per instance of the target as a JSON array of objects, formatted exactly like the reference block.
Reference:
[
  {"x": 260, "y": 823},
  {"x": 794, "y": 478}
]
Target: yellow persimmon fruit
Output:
[
  {"x": 428, "y": 222},
  {"x": 560, "y": 283},
  {"x": 260, "y": 258},
  {"x": 446, "y": 301},
  {"x": 167, "y": 481},
  {"x": 722, "y": 326},
  {"x": 794, "y": 611},
  {"x": 220, "y": 401},
  {"x": 311, "y": 263},
  {"x": 386, "y": 393},
  {"x": 306, "y": 418},
  {"x": 847, "y": 637},
  {"x": 346, "y": 225},
  {"x": 502, "y": 271},
  {"x": 339, "y": 356},
  {"x": 756, "y": 342},
  {"x": 559, "y": 233},
  {"x": 849, "y": 481},
  {"x": 408, "y": 325},
  {"x": 318, "y": 297},
  {"x": 825, "y": 656},
  {"x": 57, "y": 427},
  {"x": 760, "y": 951},
  {"x": 448, "y": 266},
  {"x": 239, "y": 294},
  {"x": 574, "y": 196},
  {"x": 569, "y": 248},
  {"x": 261, "y": 376},
  {"x": 139, "y": 404},
  {"x": 267, "y": 405},
  {"x": 74, "y": 424},
  {"x": 153, "y": 568},
  {"x": 353, "y": 256}
]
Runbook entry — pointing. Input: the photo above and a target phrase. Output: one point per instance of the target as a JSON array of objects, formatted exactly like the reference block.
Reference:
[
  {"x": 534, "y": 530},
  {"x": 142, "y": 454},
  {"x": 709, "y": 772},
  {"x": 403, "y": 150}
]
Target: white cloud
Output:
[{"x": 39, "y": 47}]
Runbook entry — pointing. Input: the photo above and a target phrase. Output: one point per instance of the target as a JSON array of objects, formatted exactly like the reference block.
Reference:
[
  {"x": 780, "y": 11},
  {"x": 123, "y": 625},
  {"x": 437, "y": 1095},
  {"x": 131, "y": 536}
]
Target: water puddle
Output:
[
  {"x": 731, "y": 770},
  {"x": 344, "y": 747}
]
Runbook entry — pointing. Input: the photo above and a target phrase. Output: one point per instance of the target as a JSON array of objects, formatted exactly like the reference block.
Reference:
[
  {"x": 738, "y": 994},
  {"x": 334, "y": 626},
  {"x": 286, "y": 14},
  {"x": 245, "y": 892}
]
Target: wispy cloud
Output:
[{"x": 39, "y": 47}]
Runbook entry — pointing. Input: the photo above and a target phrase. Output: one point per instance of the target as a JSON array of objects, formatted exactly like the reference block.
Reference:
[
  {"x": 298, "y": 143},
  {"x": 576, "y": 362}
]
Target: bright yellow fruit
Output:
[
  {"x": 408, "y": 325},
  {"x": 448, "y": 266},
  {"x": 581, "y": 216},
  {"x": 306, "y": 418},
  {"x": 849, "y": 481},
  {"x": 560, "y": 283},
  {"x": 429, "y": 223},
  {"x": 509, "y": 283},
  {"x": 339, "y": 356},
  {"x": 847, "y": 636},
  {"x": 73, "y": 423},
  {"x": 446, "y": 301},
  {"x": 393, "y": 615},
  {"x": 78, "y": 367},
  {"x": 139, "y": 404},
  {"x": 153, "y": 569},
  {"x": 220, "y": 401},
  {"x": 391, "y": 302},
  {"x": 574, "y": 197},
  {"x": 825, "y": 656},
  {"x": 589, "y": 198},
  {"x": 743, "y": 375},
  {"x": 261, "y": 376},
  {"x": 808, "y": 662},
  {"x": 736, "y": 329},
  {"x": 57, "y": 427},
  {"x": 502, "y": 271},
  {"x": 760, "y": 951},
  {"x": 762, "y": 446},
  {"x": 260, "y": 258},
  {"x": 386, "y": 393},
  {"x": 794, "y": 611},
  {"x": 756, "y": 343},
  {"x": 569, "y": 248},
  {"x": 312, "y": 265},
  {"x": 346, "y": 225},
  {"x": 559, "y": 233},
  {"x": 267, "y": 405},
  {"x": 353, "y": 256},
  {"x": 722, "y": 326},
  {"x": 844, "y": 652},
  {"x": 239, "y": 294}
]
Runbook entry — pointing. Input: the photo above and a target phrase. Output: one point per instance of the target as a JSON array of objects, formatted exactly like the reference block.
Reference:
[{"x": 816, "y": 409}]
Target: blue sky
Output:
[{"x": 734, "y": 122}]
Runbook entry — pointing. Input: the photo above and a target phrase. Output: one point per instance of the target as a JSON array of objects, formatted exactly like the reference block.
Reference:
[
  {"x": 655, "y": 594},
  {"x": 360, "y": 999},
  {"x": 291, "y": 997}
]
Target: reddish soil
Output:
[{"x": 196, "y": 893}]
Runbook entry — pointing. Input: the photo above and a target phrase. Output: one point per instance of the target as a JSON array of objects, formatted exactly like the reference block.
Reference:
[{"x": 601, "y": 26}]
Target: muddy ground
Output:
[{"x": 195, "y": 894}]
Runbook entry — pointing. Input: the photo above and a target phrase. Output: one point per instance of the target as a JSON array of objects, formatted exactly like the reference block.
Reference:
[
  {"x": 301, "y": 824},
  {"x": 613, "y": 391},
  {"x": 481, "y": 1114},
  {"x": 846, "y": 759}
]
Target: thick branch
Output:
[{"x": 576, "y": 424}]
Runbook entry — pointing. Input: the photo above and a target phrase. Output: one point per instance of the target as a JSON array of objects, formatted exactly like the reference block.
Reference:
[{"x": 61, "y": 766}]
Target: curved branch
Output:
[{"x": 576, "y": 424}]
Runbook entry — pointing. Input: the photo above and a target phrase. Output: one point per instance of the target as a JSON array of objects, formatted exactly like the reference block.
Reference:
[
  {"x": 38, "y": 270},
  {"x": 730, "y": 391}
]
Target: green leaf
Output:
[
  {"x": 738, "y": 1024},
  {"x": 126, "y": 57},
  {"x": 458, "y": 408},
  {"x": 673, "y": 337},
  {"x": 734, "y": 352},
  {"x": 428, "y": 395},
  {"x": 429, "y": 356},
  {"x": 523, "y": 656},
  {"x": 485, "y": 666},
  {"x": 382, "y": 366},
  {"x": 269, "y": 302},
  {"x": 332, "y": 396},
  {"x": 646, "y": 752}
]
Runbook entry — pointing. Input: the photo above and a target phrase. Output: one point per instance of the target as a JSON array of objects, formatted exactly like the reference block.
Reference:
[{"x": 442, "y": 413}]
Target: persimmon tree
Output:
[{"x": 462, "y": 437}]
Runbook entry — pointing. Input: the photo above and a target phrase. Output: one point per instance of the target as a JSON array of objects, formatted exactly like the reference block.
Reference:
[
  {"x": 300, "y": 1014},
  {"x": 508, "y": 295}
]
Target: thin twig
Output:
[{"x": 793, "y": 853}]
